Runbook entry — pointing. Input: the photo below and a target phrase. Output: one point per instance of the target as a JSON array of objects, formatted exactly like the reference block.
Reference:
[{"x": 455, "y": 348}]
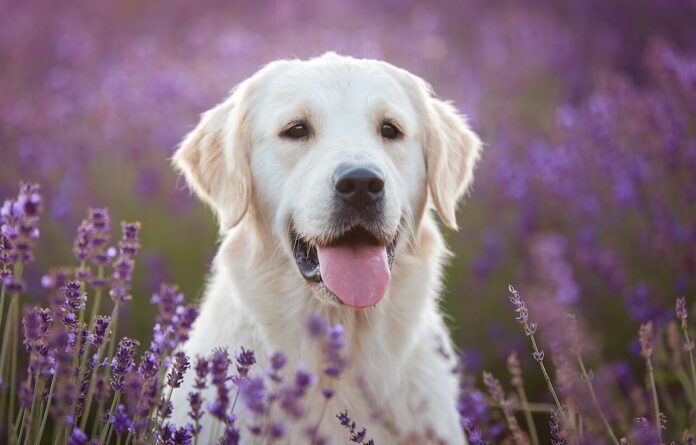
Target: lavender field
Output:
[{"x": 584, "y": 201}]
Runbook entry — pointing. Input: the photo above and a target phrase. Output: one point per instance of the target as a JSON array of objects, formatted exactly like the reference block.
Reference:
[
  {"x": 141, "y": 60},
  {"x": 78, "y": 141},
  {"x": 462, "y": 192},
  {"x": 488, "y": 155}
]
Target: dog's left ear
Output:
[
  {"x": 213, "y": 158},
  {"x": 452, "y": 150}
]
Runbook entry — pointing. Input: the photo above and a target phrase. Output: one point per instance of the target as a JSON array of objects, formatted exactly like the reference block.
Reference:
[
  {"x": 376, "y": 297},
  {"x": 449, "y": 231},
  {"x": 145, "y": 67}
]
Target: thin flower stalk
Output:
[
  {"x": 529, "y": 329},
  {"x": 646, "y": 337},
  {"x": 38, "y": 388},
  {"x": 517, "y": 381},
  {"x": 98, "y": 292},
  {"x": 44, "y": 418},
  {"x": 92, "y": 383},
  {"x": 13, "y": 342},
  {"x": 689, "y": 343},
  {"x": 496, "y": 392},
  {"x": 588, "y": 380},
  {"x": 575, "y": 346},
  {"x": 676, "y": 350}
]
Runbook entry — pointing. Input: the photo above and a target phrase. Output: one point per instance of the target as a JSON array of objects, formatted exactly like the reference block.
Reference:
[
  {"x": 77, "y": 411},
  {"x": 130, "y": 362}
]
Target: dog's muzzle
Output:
[{"x": 352, "y": 260}]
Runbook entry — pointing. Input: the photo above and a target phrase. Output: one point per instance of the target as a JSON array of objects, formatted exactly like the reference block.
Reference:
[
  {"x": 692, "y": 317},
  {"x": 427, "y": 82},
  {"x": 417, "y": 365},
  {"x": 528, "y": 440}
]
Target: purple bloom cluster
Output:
[
  {"x": 124, "y": 262},
  {"x": 357, "y": 436},
  {"x": 19, "y": 228},
  {"x": 123, "y": 362}
]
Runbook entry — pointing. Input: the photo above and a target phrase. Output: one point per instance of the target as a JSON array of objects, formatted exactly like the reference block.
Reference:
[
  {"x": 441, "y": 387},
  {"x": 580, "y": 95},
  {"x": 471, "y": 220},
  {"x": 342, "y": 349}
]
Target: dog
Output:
[{"x": 323, "y": 174}]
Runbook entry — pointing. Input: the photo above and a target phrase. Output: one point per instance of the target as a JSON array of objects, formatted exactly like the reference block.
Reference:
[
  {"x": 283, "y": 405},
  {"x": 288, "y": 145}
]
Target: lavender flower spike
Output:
[
  {"x": 123, "y": 362},
  {"x": 179, "y": 368}
]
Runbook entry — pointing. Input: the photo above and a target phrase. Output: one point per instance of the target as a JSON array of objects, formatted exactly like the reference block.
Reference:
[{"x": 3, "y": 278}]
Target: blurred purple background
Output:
[{"x": 585, "y": 198}]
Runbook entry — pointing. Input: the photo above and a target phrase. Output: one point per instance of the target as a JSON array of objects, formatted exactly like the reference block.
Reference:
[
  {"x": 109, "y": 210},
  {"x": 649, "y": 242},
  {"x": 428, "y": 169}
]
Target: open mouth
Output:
[{"x": 355, "y": 266}]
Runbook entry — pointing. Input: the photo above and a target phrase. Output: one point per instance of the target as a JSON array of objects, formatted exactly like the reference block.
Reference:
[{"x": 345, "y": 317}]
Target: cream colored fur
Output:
[{"x": 258, "y": 183}]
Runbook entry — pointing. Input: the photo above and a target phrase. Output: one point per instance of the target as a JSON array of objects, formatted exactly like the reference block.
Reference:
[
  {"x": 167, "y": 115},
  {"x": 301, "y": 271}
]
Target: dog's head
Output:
[{"x": 336, "y": 158}]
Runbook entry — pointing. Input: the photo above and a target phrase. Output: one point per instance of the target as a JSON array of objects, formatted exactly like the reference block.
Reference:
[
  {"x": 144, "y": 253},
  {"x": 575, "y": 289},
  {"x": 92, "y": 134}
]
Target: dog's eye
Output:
[
  {"x": 390, "y": 131},
  {"x": 297, "y": 131}
]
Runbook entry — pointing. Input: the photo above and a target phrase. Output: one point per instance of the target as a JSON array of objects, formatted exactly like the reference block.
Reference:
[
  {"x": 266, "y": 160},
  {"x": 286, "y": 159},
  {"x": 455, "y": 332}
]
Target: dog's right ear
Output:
[{"x": 214, "y": 160}]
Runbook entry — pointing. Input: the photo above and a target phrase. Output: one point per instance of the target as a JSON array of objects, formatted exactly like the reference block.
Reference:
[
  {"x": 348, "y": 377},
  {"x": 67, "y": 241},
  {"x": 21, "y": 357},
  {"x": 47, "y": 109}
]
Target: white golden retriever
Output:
[{"x": 322, "y": 173}]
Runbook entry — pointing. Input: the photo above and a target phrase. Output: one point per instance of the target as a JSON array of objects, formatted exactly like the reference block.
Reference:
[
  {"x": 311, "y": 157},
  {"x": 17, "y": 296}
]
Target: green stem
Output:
[
  {"x": 81, "y": 317},
  {"x": 2, "y": 302},
  {"x": 169, "y": 398},
  {"x": 21, "y": 418},
  {"x": 13, "y": 361},
  {"x": 548, "y": 379},
  {"x": 112, "y": 348},
  {"x": 528, "y": 414},
  {"x": 106, "y": 432},
  {"x": 37, "y": 441},
  {"x": 97, "y": 297},
  {"x": 586, "y": 377},
  {"x": 234, "y": 403},
  {"x": 686, "y": 384},
  {"x": 546, "y": 408},
  {"x": 90, "y": 391},
  {"x": 691, "y": 358},
  {"x": 656, "y": 406},
  {"x": 7, "y": 338},
  {"x": 37, "y": 388}
]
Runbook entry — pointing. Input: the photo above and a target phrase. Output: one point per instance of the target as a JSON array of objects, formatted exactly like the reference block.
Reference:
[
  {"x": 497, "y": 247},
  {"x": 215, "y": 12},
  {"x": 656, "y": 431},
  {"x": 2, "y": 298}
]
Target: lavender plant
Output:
[
  {"x": 587, "y": 110},
  {"x": 573, "y": 419},
  {"x": 66, "y": 365}
]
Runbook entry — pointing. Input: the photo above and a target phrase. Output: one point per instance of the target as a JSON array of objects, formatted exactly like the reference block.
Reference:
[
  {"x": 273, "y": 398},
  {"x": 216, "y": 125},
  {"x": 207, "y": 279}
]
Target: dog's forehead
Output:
[{"x": 331, "y": 81}]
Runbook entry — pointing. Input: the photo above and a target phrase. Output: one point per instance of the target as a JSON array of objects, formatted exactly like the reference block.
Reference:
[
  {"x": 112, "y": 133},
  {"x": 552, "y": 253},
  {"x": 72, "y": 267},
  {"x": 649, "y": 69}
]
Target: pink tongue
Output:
[{"x": 358, "y": 275}]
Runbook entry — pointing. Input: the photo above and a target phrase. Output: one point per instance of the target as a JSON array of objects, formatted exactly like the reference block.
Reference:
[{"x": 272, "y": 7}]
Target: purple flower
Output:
[
  {"x": 122, "y": 362},
  {"x": 124, "y": 263},
  {"x": 101, "y": 324},
  {"x": 646, "y": 338},
  {"x": 278, "y": 361},
  {"x": 230, "y": 436},
  {"x": 92, "y": 237},
  {"x": 195, "y": 404},
  {"x": 358, "y": 436},
  {"x": 316, "y": 326},
  {"x": 522, "y": 311},
  {"x": 169, "y": 434},
  {"x": 120, "y": 419},
  {"x": 538, "y": 356},
  {"x": 219, "y": 365},
  {"x": 682, "y": 312},
  {"x": 33, "y": 325},
  {"x": 149, "y": 364},
  {"x": 202, "y": 370},
  {"x": 179, "y": 368},
  {"x": 253, "y": 393},
  {"x": 183, "y": 321},
  {"x": 245, "y": 360},
  {"x": 495, "y": 389},
  {"x": 354, "y": 435},
  {"x": 26, "y": 394},
  {"x": 75, "y": 297},
  {"x": 292, "y": 394},
  {"x": 556, "y": 431},
  {"x": 345, "y": 420},
  {"x": 475, "y": 437},
  {"x": 334, "y": 342},
  {"x": 77, "y": 437},
  {"x": 19, "y": 227},
  {"x": 167, "y": 298},
  {"x": 276, "y": 429}
]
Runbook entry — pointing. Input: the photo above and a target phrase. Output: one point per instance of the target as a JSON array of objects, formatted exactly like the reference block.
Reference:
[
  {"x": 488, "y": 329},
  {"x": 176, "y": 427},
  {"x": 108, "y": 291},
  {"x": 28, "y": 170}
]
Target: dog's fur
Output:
[{"x": 400, "y": 378}]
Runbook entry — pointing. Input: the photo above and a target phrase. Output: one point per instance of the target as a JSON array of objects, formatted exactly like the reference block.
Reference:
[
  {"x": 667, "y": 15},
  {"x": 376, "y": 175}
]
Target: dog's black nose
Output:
[{"x": 359, "y": 186}]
